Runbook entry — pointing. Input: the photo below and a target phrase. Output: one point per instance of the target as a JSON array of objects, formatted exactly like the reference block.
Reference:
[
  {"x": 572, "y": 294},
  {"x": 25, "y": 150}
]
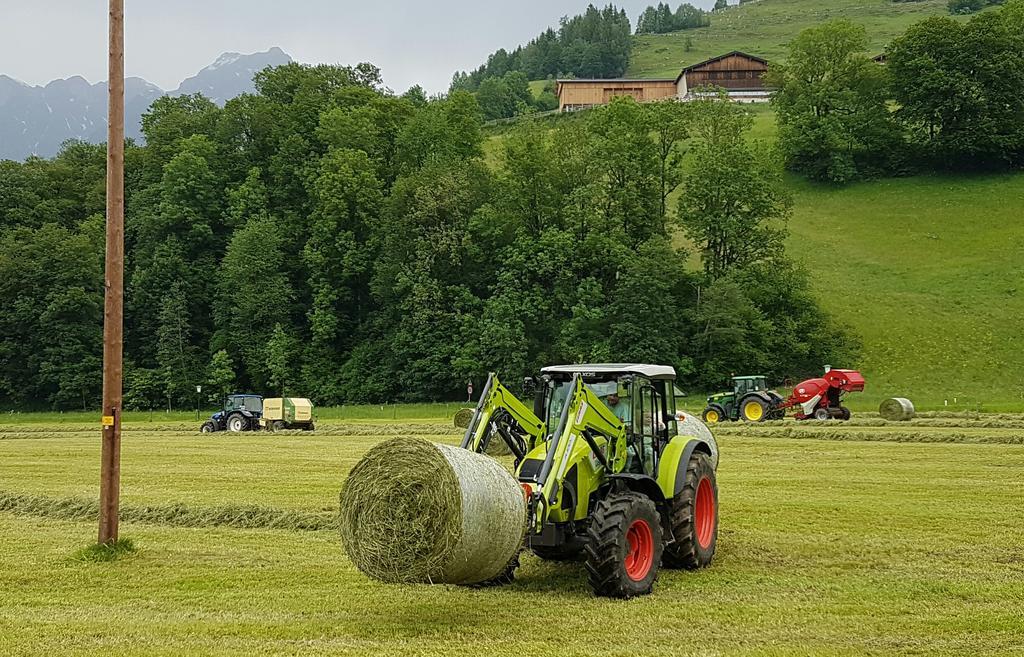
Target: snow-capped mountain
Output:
[
  {"x": 36, "y": 120},
  {"x": 231, "y": 75}
]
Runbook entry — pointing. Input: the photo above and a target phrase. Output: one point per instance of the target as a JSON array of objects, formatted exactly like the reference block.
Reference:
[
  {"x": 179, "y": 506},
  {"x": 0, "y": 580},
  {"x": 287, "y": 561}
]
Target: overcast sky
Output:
[{"x": 412, "y": 41}]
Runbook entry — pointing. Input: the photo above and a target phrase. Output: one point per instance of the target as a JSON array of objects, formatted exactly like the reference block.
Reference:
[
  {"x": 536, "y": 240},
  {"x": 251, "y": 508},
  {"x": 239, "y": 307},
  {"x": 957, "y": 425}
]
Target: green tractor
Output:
[
  {"x": 750, "y": 400},
  {"x": 607, "y": 476}
]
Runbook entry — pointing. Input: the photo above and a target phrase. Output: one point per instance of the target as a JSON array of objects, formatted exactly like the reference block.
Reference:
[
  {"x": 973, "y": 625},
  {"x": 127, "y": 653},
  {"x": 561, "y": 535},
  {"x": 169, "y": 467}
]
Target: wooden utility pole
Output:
[{"x": 113, "y": 305}]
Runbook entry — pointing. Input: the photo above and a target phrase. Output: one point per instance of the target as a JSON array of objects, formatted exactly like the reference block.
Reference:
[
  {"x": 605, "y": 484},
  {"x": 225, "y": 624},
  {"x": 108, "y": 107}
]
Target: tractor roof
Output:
[
  {"x": 650, "y": 371},
  {"x": 745, "y": 378}
]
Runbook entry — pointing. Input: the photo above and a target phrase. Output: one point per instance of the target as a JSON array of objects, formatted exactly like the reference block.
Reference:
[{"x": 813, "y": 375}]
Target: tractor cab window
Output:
[
  {"x": 648, "y": 424},
  {"x": 743, "y": 386},
  {"x": 249, "y": 403},
  {"x": 615, "y": 395},
  {"x": 556, "y": 403}
]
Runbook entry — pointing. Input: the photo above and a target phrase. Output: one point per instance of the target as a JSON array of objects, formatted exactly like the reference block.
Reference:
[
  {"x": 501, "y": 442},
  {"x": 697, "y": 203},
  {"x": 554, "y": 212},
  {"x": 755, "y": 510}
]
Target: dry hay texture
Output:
[
  {"x": 897, "y": 409},
  {"x": 416, "y": 511},
  {"x": 463, "y": 417},
  {"x": 693, "y": 426}
]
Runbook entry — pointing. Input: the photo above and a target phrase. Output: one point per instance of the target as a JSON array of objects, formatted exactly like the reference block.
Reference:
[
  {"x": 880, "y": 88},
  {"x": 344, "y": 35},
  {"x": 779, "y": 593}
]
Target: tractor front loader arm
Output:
[
  {"x": 494, "y": 400},
  {"x": 584, "y": 417}
]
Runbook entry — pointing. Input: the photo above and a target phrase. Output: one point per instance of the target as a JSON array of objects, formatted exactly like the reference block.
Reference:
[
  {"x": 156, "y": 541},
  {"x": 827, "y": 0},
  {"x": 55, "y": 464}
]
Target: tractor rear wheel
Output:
[
  {"x": 754, "y": 409},
  {"x": 238, "y": 423},
  {"x": 713, "y": 414},
  {"x": 694, "y": 517},
  {"x": 623, "y": 553}
]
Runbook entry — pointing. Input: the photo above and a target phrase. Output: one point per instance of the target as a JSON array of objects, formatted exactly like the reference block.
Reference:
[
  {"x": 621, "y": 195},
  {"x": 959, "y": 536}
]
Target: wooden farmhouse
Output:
[{"x": 739, "y": 74}]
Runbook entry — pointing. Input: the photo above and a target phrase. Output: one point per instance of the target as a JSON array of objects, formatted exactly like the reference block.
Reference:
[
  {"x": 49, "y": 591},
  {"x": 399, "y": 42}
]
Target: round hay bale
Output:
[
  {"x": 897, "y": 409},
  {"x": 496, "y": 446},
  {"x": 463, "y": 417},
  {"x": 691, "y": 425},
  {"x": 416, "y": 511}
]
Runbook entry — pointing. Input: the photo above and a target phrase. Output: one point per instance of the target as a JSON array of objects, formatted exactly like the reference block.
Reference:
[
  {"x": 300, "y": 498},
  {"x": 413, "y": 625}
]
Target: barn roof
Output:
[
  {"x": 615, "y": 80},
  {"x": 740, "y": 53}
]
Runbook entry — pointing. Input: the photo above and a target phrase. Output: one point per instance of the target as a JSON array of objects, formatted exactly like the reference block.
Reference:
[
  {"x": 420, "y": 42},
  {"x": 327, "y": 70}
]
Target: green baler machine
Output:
[{"x": 287, "y": 413}]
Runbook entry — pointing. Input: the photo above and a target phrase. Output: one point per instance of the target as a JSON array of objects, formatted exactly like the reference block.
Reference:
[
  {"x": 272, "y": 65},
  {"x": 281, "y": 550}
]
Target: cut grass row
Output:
[
  {"x": 825, "y": 548},
  {"x": 304, "y": 472}
]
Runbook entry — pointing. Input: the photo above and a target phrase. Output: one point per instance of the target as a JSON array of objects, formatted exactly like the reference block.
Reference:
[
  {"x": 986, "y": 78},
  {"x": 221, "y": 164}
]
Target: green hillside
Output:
[
  {"x": 765, "y": 27},
  {"x": 929, "y": 271}
]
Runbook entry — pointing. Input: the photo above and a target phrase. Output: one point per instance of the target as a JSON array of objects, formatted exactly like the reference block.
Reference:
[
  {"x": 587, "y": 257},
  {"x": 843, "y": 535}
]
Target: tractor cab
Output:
[
  {"x": 251, "y": 403},
  {"x": 641, "y": 397},
  {"x": 744, "y": 384}
]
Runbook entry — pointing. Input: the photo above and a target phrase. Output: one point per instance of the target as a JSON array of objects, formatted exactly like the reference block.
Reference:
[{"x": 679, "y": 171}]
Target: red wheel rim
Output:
[
  {"x": 704, "y": 512},
  {"x": 640, "y": 557}
]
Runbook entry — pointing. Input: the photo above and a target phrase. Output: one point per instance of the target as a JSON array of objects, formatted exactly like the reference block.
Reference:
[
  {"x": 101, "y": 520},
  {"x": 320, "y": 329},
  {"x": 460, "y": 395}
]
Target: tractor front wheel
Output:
[
  {"x": 754, "y": 409},
  {"x": 713, "y": 414},
  {"x": 694, "y": 517},
  {"x": 625, "y": 544},
  {"x": 208, "y": 427}
]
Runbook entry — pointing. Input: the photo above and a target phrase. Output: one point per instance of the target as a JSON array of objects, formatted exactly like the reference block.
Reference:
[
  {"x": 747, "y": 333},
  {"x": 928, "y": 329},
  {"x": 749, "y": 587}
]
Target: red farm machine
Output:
[{"x": 813, "y": 399}]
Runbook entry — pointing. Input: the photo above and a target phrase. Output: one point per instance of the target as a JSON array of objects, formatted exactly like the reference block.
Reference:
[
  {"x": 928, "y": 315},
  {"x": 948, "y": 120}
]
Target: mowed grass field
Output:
[{"x": 835, "y": 546}]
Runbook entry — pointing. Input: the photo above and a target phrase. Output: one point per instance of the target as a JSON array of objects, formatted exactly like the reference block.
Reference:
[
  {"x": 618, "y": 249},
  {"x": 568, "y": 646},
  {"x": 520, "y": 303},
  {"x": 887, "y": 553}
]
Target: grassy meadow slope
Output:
[
  {"x": 930, "y": 272},
  {"x": 764, "y": 28}
]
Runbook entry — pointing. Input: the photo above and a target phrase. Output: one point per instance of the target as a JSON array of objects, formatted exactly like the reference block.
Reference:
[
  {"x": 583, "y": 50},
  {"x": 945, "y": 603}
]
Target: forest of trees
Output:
[
  {"x": 327, "y": 238},
  {"x": 595, "y": 44},
  {"x": 661, "y": 19},
  {"x": 948, "y": 98}
]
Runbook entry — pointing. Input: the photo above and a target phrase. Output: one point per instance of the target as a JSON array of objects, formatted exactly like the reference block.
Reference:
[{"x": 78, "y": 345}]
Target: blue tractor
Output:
[{"x": 240, "y": 413}]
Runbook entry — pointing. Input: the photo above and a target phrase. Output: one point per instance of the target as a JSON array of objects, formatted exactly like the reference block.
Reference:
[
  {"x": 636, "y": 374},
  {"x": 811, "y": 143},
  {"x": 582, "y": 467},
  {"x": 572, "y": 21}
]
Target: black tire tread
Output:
[
  {"x": 606, "y": 535},
  {"x": 684, "y": 552}
]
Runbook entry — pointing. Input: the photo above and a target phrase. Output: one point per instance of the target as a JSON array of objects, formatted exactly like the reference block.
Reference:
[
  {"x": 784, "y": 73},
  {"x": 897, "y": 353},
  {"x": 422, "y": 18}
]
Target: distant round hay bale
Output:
[
  {"x": 463, "y": 417},
  {"x": 897, "y": 409},
  {"x": 691, "y": 425},
  {"x": 496, "y": 445},
  {"x": 416, "y": 511}
]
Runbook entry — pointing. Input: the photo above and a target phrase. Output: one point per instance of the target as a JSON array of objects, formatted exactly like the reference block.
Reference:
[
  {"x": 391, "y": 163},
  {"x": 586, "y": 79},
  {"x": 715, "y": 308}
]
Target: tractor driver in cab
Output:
[{"x": 616, "y": 398}]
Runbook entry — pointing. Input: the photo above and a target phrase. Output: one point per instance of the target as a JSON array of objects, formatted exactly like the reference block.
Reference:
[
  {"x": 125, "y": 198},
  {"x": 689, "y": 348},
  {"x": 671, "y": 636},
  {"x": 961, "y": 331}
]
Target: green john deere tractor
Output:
[
  {"x": 750, "y": 400},
  {"x": 607, "y": 477}
]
